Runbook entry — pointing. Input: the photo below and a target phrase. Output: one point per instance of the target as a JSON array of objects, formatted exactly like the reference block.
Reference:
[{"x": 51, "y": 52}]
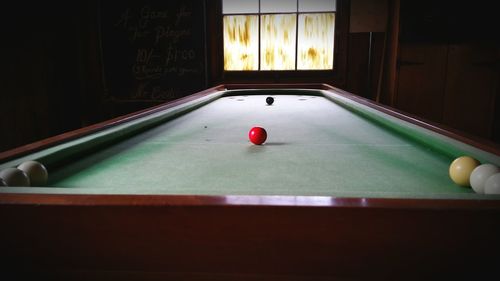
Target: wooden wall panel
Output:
[
  {"x": 368, "y": 16},
  {"x": 448, "y": 65},
  {"x": 471, "y": 85},
  {"x": 364, "y": 63},
  {"x": 421, "y": 80}
]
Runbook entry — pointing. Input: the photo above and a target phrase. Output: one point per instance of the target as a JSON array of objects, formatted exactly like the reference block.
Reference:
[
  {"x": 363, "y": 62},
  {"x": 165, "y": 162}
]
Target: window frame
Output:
[{"x": 215, "y": 49}]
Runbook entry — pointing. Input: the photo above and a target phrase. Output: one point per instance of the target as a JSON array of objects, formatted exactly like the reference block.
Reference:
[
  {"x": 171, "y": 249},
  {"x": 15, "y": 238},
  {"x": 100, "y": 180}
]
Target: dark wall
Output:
[
  {"x": 62, "y": 64},
  {"x": 68, "y": 64},
  {"x": 437, "y": 60},
  {"x": 46, "y": 56},
  {"x": 448, "y": 68}
]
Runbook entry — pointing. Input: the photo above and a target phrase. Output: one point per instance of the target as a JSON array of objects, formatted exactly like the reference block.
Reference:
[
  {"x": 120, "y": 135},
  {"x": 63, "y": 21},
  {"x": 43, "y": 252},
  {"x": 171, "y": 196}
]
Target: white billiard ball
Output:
[
  {"x": 36, "y": 171},
  {"x": 480, "y": 174},
  {"x": 15, "y": 177},
  {"x": 492, "y": 185}
]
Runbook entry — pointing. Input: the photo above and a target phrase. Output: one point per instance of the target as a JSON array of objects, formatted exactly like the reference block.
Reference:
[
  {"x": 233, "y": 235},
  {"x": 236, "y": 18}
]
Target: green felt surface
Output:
[{"x": 314, "y": 147}]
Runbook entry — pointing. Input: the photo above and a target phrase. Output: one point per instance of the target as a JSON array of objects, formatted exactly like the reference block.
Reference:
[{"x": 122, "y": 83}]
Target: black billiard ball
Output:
[{"x": 269, "y": 100}]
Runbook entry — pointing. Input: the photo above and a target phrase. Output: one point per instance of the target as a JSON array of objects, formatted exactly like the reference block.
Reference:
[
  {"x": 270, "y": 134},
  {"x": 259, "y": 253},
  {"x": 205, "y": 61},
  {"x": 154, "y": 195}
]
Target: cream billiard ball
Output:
[
  {"x": 479, "y": 176},
  {"x": 36, "y": 171},
  {"x": 492, "y": 184},
  {"x": 461, "y": 168},
  {"x": 14, "y": 177}
]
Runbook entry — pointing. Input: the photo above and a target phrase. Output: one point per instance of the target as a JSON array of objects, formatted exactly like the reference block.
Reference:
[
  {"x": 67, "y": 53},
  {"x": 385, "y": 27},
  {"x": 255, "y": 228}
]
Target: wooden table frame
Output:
[{"x": 165, "y": 237}]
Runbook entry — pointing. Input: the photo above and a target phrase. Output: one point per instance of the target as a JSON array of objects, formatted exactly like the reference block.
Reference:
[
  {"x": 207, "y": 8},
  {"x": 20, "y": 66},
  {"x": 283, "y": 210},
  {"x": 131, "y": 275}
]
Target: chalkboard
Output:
[{"x": 153, "y": 50}]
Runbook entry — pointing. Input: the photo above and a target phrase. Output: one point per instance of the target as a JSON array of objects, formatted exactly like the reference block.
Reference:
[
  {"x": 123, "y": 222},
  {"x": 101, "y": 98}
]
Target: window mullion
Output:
[
  {"x": 296, "y": 34},
  {"x": 260, "y": 47}
]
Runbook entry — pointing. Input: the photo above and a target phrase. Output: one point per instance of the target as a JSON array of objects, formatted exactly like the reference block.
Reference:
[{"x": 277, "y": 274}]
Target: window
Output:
[{"x": 278, "y": 34}]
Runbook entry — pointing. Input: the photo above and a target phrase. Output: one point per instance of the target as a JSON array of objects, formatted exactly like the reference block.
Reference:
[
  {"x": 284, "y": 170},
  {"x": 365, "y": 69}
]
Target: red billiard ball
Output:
[{"x": 257, "y": 135}]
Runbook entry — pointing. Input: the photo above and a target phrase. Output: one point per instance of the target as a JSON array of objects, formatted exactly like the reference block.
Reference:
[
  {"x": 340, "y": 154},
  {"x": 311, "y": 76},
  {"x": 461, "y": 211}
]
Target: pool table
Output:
[{"x": 342, "y": 189}]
